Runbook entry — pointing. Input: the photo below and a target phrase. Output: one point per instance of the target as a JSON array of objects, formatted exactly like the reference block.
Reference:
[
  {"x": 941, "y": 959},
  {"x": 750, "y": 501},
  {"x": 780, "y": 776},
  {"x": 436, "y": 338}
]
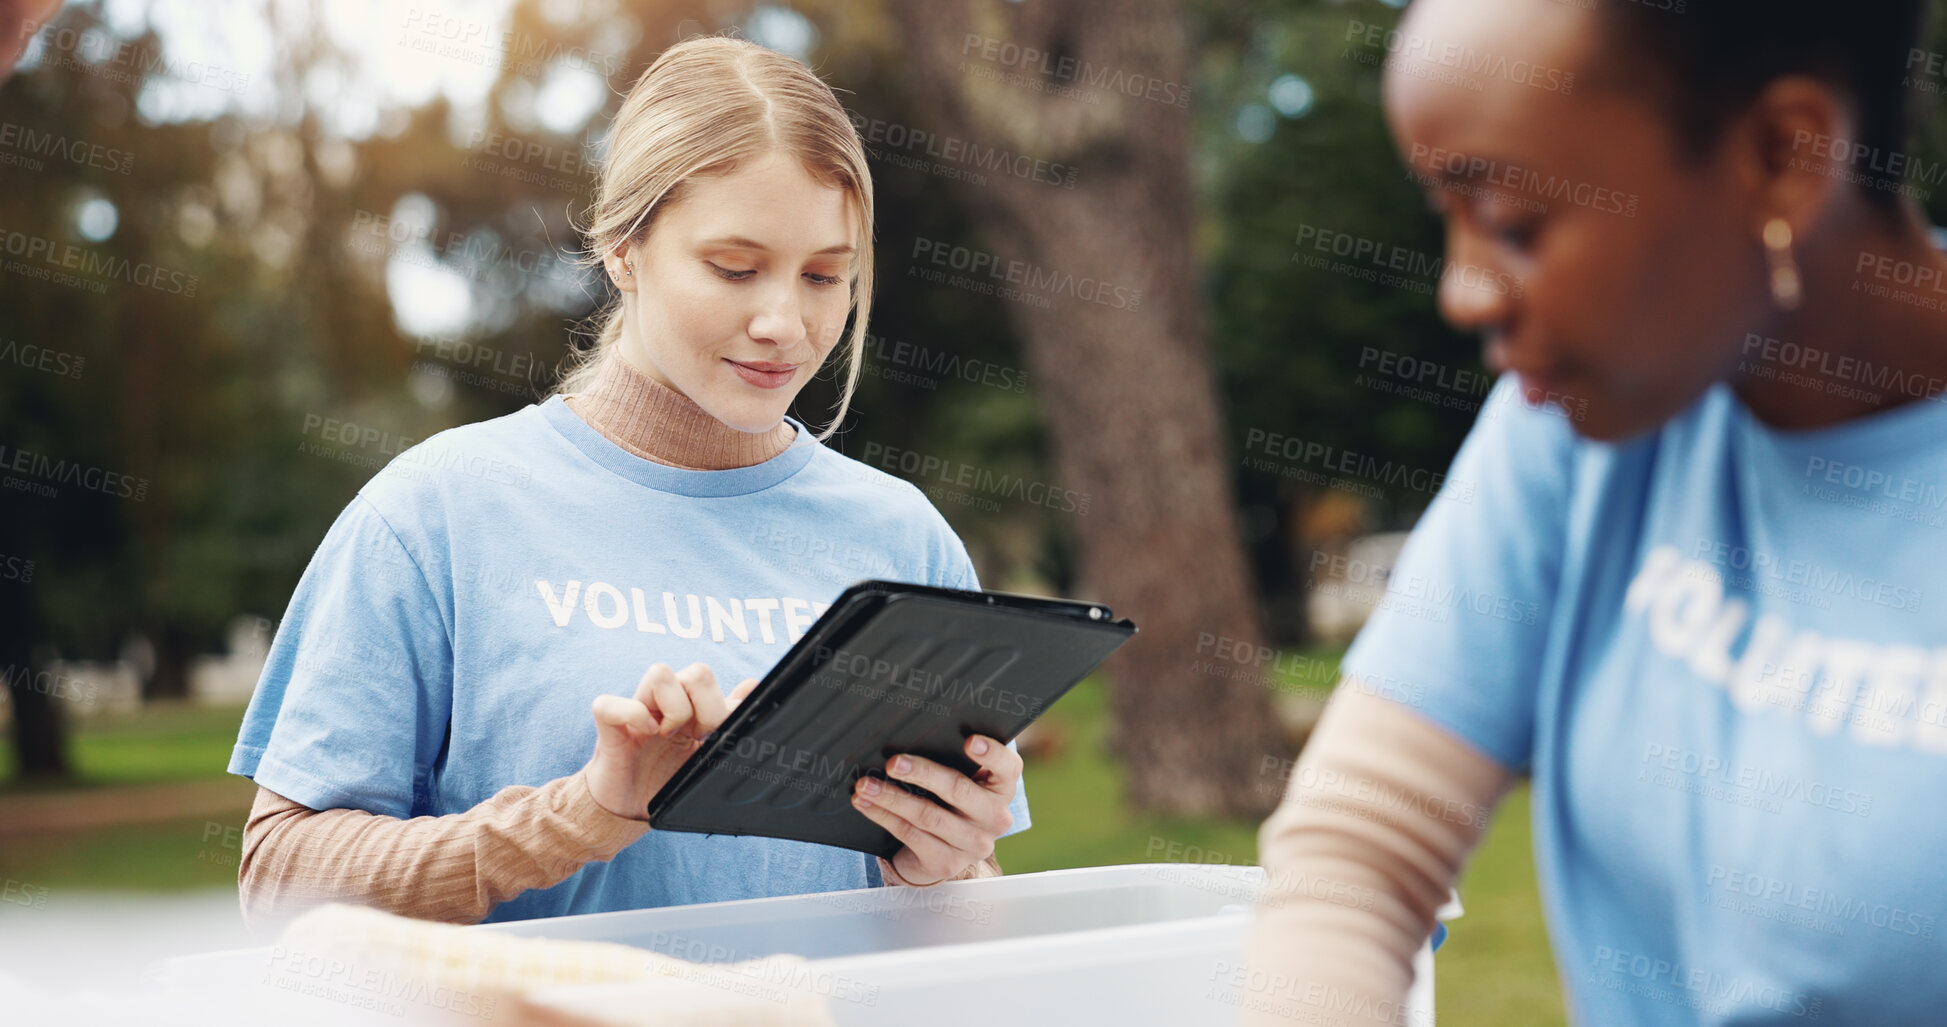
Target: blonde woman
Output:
[{"x": 421, "y": 736}]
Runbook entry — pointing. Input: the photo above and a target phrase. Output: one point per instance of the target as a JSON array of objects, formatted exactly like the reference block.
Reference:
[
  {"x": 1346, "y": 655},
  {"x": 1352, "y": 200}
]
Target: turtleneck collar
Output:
[{"x": 653, "y": 421}]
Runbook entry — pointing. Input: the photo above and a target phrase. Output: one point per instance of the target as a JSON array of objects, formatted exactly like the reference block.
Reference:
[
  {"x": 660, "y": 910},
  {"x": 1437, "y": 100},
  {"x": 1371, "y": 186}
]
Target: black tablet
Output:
[{"x": 889, "y": 668}]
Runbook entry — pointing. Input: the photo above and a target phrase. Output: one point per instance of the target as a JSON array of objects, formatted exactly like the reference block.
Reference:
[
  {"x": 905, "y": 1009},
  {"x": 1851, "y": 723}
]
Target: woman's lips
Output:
[{"x": 762, "y": 373}]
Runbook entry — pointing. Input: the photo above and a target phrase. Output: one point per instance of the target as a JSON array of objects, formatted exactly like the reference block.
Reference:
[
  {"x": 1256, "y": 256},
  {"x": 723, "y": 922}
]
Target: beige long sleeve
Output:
[
  {"x": 1377, "y": 821},
  {"x": 454, "y": 868}
]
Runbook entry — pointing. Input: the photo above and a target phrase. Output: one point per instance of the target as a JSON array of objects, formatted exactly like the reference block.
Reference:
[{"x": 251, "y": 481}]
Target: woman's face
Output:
[
  {"x": 740, "y": 290},
  {"x": 1615, "y": 279}
]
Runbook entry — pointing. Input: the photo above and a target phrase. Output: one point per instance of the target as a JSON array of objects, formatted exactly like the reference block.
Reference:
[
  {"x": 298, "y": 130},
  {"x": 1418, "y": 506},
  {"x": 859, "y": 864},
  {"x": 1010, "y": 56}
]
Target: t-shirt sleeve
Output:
[
  {"x": 1462, "y": 629},
  {"x": 353, "y": 704}
]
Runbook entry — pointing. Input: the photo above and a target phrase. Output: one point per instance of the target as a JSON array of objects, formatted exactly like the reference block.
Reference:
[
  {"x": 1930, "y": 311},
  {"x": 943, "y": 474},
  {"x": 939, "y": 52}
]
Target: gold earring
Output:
[{"x": 1786, "y": 286}]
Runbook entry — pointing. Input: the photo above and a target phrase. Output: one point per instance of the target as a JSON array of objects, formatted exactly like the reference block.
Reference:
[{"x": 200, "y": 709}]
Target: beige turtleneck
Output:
[
  {"x": 458, "y": 867},
  {"x": 640, "y": 413}
]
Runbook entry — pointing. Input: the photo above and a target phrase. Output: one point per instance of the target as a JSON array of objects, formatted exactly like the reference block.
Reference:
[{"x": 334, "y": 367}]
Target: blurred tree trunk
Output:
[
  {"x": 39, "y": 732},
  {"x": 1128, "y": 395},
  {"x": 173, "y": 650},
  {"x": 40, "y": 738}
]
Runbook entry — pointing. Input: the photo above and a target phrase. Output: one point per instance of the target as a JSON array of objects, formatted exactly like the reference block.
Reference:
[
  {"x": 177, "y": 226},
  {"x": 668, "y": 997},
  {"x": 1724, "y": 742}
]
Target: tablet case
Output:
[{"x": 890, "y": 668}]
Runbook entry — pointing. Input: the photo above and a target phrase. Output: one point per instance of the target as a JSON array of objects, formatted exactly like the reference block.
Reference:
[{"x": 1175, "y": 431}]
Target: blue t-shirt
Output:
[
  {"x": 1720, "y": 652},
  {"x": 482, "y": 589}
]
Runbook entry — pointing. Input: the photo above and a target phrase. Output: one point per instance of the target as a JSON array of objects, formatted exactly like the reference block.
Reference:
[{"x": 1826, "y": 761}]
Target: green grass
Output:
[
  {"x": 1495, "y": 967},
  {"x": 179, "y": 855},
  {"x": 161, "y": 743},
  {"x": 169, "y": 742},
  {"x": 1080, "y": 817}
]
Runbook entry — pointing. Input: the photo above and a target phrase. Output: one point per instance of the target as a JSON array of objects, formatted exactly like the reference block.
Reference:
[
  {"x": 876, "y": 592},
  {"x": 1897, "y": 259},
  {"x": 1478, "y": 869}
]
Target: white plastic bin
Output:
[{"x": 1133, "y": 944}]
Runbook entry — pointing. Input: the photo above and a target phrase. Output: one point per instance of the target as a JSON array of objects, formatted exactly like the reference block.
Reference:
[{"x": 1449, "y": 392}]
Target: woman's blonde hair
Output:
[{"x": 706, "y": 107}]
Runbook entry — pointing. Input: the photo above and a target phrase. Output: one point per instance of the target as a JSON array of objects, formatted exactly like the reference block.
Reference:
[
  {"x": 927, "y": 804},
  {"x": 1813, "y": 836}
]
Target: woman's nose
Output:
[
  {"x": 1474, "y": 295},
  {"x": 779, "y": 317}
]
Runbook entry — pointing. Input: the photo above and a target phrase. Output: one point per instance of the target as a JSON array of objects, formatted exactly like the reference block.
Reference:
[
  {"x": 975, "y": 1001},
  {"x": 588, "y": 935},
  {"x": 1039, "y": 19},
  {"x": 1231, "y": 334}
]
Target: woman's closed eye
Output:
[
  {"x": 742, "y": 274},
  {"x": 1518, "y": 234}
]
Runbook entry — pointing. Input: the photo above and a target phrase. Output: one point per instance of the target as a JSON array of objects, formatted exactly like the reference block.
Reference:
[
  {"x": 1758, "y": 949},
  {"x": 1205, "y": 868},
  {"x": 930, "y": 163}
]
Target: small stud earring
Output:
[{"x": 1786, "y": 286}]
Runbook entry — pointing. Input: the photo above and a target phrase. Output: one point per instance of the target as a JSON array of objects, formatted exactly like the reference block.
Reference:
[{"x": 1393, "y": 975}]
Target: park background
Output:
[{"x": 313, "y": 232}]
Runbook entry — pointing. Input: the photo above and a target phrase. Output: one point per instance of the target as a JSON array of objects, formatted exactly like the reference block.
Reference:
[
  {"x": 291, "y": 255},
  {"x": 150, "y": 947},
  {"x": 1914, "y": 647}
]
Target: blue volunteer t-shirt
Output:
[
  {"x": 482, "y": 589},
  {"x": 1720, "y": 651}
]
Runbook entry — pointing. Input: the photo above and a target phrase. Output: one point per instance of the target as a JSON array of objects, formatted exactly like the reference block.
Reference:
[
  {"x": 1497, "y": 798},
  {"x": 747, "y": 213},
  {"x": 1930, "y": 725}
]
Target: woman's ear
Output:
[
  {"x": 620, "y": 265},
  {"x": 1794, "y": 152}
]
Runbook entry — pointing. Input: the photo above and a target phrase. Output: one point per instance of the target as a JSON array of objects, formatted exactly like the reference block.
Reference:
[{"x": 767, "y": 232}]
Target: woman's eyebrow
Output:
[{"x": 740, "y": 242}]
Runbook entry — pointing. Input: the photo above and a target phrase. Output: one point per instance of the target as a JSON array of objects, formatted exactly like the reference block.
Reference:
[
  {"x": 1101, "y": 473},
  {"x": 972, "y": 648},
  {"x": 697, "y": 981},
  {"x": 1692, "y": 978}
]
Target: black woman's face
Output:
[{"x": 1609, "y": 272}]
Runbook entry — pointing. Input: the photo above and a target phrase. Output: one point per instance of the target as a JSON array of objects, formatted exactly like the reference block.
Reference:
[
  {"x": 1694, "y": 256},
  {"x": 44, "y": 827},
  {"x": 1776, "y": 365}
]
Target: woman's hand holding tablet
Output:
[
  {"x": 943, "y": 841},
  {"x": 641, "y": 741}
]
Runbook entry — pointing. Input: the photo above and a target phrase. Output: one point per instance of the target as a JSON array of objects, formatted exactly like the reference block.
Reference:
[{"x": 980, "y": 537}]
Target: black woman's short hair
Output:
[{"x": 1706, "y": 60}]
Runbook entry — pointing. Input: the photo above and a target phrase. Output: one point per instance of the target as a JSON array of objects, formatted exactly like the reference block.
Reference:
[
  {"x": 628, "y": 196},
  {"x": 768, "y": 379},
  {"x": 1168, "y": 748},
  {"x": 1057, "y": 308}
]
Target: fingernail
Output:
[
  {"x": 861, "y": 802},
  {"x": 871, "y": 786},
  {"x": 979, "y": 747},
  {"x": 901, "y": 765}
]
